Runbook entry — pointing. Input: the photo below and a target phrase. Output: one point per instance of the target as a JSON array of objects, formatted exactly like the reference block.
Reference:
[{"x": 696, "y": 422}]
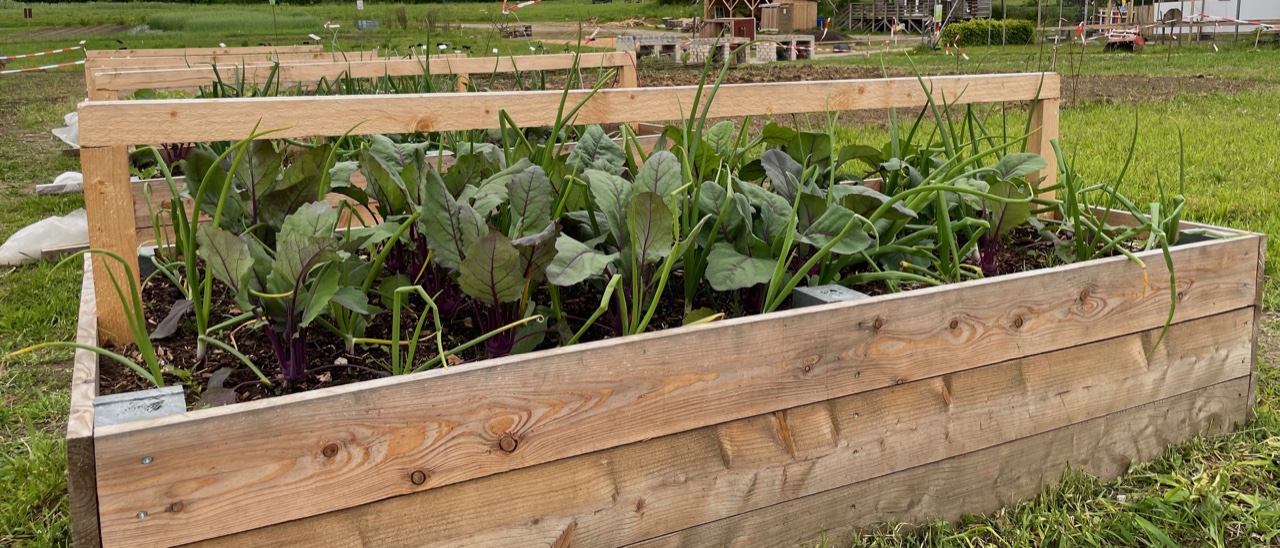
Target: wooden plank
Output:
[
  {"x": 180, "y": 121},
  {"x": 1258, "y": 310},
  {"x": 264, "y": 59},
  {"x": 82, "y": 484},
  {"x": 570, "y": 401},
  {"x": 179, "y": 52},
  {"x": 983, "y": 481},
  {"x": 1044, "y": 128},
  {"x": 108, "y": 204},
  {"x": 632, "y": 493},
  {"x": 203, "y": 75}
]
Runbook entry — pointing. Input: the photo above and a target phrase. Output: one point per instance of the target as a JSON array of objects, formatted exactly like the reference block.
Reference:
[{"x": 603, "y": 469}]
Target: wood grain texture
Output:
[
  {"x": 642, "y": 490},
  {"x": 983, "y": 481},
  {"x": 293, "y": 72},
  {"x": 108, "y": 204},
  {"x": 178, "y": 52},
  {"x": 1044, "y": 129},
  {"x": 1258, "y": 310},
  {"x": 570, "y": 401},
  {"x": 82, "y": 484},
  {"x": 178, "y": 121},
  {"x": 258, "y": 59}
]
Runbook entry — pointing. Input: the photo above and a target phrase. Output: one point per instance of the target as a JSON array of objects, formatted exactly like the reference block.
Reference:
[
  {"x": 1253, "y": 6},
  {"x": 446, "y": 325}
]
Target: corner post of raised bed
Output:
[
  {"x": 629, "y": 77},
  {"x": 108, "y": 204},
  {"x": 82, "y": 469},
  {"x": 1044, "y": 129},
  {"x": 1258, "y": 311},
  {"x": 462, "y": 81}
]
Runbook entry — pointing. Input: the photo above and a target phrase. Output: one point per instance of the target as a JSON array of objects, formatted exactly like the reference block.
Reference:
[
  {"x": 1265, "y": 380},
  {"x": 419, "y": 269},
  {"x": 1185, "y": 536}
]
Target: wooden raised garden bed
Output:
[{"x": 765, "y": 430}]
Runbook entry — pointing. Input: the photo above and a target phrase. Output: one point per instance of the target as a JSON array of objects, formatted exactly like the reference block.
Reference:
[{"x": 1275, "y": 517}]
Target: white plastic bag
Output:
[
  {"x": 70, "y": 134},
  {"x": 26, "y": 244},
  {"x": 69, "y": 181}
]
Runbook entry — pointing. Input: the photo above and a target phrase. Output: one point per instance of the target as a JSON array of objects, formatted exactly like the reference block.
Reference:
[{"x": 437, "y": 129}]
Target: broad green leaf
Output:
[
  {"x": 783, "y": 172},
  {"x": 651, "y": 227},
  {"x": 449, "y": 225},
  {"x": 827, "y": 227},
  {"x": 340, "y": 181},
  {"x": 318, "y": 293},
  {"x": 575, "y": 262},
  {"x": 720, "y": 138},
  {"x": 810, "y": 148},
  {"x": 865, "y": 201},
  {"x": 660, "y": 175},
  {"x": 811, "y": 207},
  {"x": 493, "y": 191},
  {"x": 531, "y": 199},
  {"x": 227, "y": 258},
  {"x": 259, "y": 168},
  {"x": 1006, "y": 217},
  {"x": 775, "y": 134},
  {"x": 1019, "y": 164},
  {"x": 866, "y": 154},
  {"x": 307, "y": 170},
  {"x": 727, "y": 269},
  {"x": 536, "y": 252},
  {"x": 611, "y": 195},
  {"x": 491, "y": 272},
  {"x": 975, "y": 202},
  {"x": 711, "y": 202},
  {"x": 775, "y": 211},
  {"x": 352, "y": 299},
  {"x": 595, "y": 150},
  {"x": 698, "y": 314},
  {"x": 305, "y": 241}
]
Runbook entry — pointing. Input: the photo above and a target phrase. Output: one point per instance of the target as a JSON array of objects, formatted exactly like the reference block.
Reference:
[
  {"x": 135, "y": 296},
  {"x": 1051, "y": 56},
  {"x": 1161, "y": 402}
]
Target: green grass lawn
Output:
[{"x": 1219, "y": 492}]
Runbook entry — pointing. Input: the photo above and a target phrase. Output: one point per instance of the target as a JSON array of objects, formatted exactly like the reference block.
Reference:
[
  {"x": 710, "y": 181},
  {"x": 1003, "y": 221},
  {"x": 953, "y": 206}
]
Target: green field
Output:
[{"x": 1218, "y": 492}]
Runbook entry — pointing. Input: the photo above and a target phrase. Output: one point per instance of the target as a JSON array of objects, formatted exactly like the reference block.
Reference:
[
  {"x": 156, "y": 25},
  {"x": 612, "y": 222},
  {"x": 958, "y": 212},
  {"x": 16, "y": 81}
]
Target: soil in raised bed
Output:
[{"x": 329, "y": 364}]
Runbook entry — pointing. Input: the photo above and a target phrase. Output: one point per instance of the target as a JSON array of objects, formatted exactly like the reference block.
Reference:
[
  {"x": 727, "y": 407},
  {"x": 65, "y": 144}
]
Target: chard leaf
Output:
[
  {"x": 710, "y": 201},
  {"x": 381, "y": 164},
  {"x": 317, "y": 294},
  {"x": 259, "y": 168},
  {"x": 1006, "y": 217},
  {"x": 352, "y": 299},
  {"x": 531, "y": 198},
  {"x": 493, "y": 191},
  {"x": 784, "y": 173},
  {"x": 827, "y": 227},
  {"x": 720, "y": 138},
  {"x": 611, "y": 194},
  {"x": 727, "y": 269},
  {"x": 811, "y": 207},
  {"x": 449, "y": 225},
  {"x": 305, "y": 242},
  {"x": 595, "y": 150},
  {"x": 536, "y": 252},
  {"x": 169, "y": 325},
  {"x": 227, "y": 258},
  {"x": 660, "y": 174},
  {"x": 307, "y": 170},
  {"x": 340, "y": 181},
  {"x": 576, "y": 261},
  {"x": 651, "y": 226},
  {"x": 1018, "y": 164},
  {"x": 809, "y": 148},
  {"x": 869, "y": 155},
  {"x": 775, "y": 211},
  {"x": 976, "y": 202},
  {"x": 491, "y": 272},
  {"x": 864, "y": 201},
  {"x": 775, "y": 134}
]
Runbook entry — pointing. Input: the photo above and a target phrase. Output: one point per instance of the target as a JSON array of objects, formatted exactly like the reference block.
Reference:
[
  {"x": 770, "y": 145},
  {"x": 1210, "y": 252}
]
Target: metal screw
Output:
[
  {"x": 142, "y": 514},
  {"x": 146, "y": 460}
]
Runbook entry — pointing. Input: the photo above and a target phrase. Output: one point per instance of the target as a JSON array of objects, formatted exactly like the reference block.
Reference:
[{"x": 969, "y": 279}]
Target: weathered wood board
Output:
[{"x": 749, "y": 380}]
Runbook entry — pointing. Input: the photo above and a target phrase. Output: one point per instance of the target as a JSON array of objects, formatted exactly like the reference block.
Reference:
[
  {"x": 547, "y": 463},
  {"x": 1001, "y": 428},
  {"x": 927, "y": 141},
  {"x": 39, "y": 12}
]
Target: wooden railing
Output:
[{"x": 107, "y": 128}]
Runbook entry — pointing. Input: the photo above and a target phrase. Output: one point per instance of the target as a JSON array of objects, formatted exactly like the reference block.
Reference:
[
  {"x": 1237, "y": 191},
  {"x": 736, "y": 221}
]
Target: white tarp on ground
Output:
[
  {"x": 70, "y": 181},
  {"x": 70, "y": 134},
  {"x": 26, "y": 245}
]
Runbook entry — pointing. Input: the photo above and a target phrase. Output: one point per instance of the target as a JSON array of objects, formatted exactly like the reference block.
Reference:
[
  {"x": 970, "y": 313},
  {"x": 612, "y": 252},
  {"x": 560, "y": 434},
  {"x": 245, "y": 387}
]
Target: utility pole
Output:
[{"x": 1238, "y": 3}]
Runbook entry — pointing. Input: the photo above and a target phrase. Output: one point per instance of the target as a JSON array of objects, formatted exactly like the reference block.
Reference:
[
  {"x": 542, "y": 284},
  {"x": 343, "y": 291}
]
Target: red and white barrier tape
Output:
[
  {"x": 593, "y": 36},
  {"x": 506, "y": 9},
  {"x": 1235, "y": 21},
  {"x": 46, "y": 67},
  {"x": 956, "y": 44},
  {"x": 40, "y": 53}
]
